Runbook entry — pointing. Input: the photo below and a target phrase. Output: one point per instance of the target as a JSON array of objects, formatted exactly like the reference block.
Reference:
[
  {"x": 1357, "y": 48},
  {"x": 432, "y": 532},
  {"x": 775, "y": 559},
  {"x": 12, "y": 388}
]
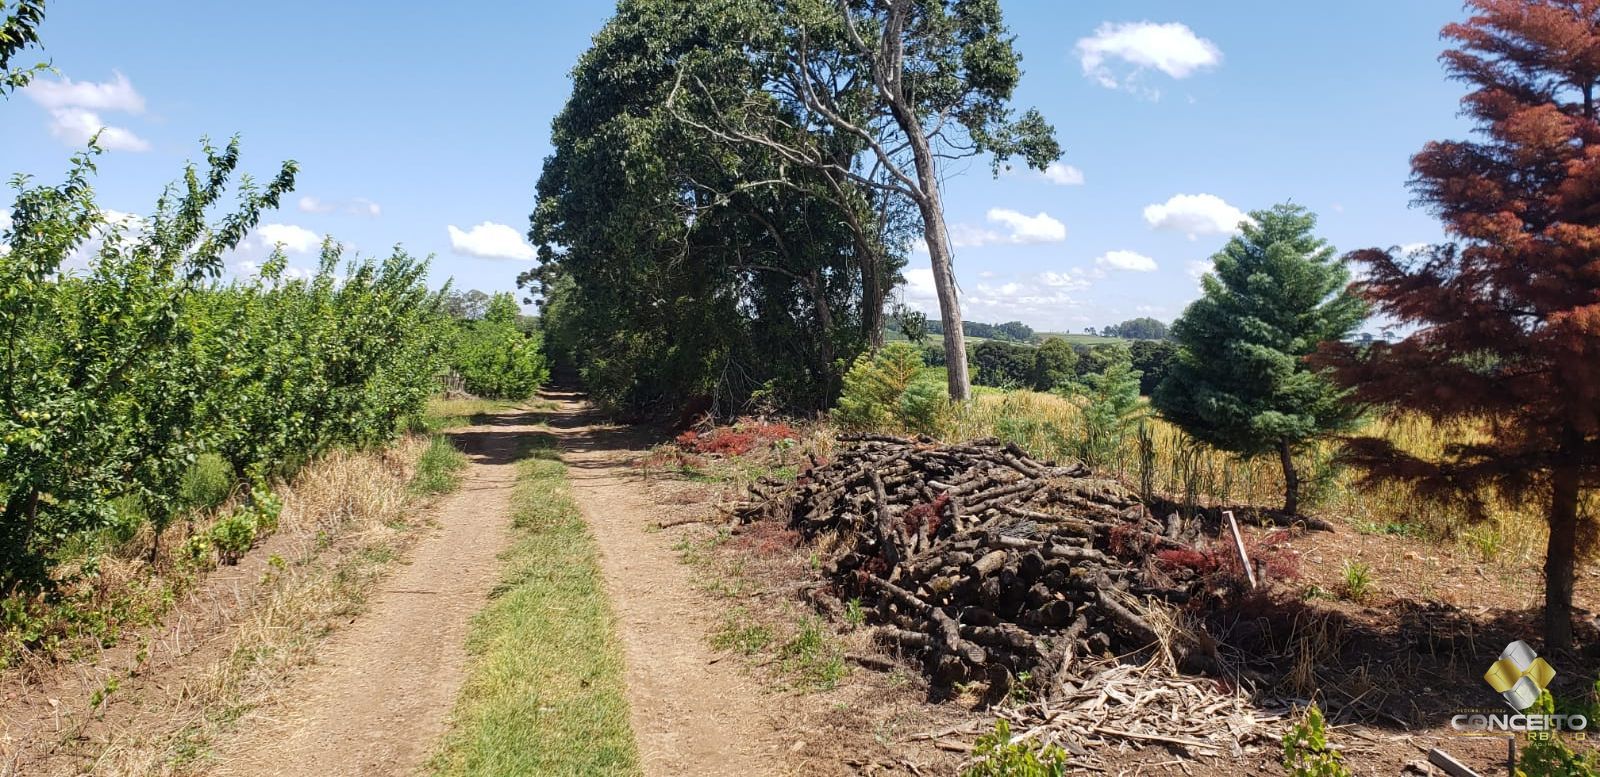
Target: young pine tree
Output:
[
  {"x": 1112, "y": 406},
  {"x": 1507, "y": 317},
  {"x": 1241, "y": 382}
]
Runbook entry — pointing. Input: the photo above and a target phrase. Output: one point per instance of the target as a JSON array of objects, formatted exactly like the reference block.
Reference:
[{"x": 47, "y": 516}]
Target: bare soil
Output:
[{"x": 382, "y": 689}]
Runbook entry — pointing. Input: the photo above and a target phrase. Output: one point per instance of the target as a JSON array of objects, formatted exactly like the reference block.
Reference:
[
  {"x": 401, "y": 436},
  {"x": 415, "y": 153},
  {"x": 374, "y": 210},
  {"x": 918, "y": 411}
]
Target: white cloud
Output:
[
  {"x": 294, "y": 239},
  {"x": 968, "y": 236},
  {"x": 1058, "y": 173},
  {"x": 75, "y": 108},
  {"x": 356, "y": 206},
  {"x": 1118, "y": 54},
  {"x": 490, "y": 241},
  {"x": 1063, "y": 174},
  {"x": 1044, "y": 301},
  {"x": 1039, "y": 228},
  {"x": 1199, "y": 267},
  {"x": 77, "y": 125},
  {"x": 115, "y": 95},
  {"x": 1020, "y": 229},
  {"x": 129, "y": 224},
  {"x": 1126, "y": 260},
  {"x": 5, "y": 219},
  {"x": 1195, "y": 215},
  {"x": 919, "y": 286},
  {"x": 1071, "y": 281},
  {"x": 290, "y": 273},
  {"x": 1407, "y": 249}
]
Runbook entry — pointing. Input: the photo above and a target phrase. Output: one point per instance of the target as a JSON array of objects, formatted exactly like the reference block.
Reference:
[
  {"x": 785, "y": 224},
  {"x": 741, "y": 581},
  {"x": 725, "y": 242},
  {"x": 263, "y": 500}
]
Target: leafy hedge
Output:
[
  {"x": 120, "y": 377},
  {"x": 496, "y": 359}
]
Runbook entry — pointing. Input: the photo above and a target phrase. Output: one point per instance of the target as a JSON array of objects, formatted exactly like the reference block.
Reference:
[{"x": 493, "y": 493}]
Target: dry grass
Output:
[
  {"x": 1191, "y": 472},
  {"x": 343, "y": 518}
]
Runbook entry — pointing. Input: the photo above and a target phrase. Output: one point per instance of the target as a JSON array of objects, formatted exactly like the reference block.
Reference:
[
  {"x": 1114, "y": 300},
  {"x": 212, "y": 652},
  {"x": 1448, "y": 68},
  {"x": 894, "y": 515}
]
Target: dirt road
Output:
[
  {"x": 379, "y": 696},
  {"x": 383, "y": 687}
]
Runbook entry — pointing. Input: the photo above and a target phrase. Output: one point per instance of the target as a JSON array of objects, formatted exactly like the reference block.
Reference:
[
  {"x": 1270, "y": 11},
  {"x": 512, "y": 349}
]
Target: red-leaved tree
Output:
[{"x": 1507, "y": 315}]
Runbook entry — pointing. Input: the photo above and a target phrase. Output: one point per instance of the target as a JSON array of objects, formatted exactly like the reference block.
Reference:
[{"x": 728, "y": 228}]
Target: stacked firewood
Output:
[{"x": 981, "y": 561}]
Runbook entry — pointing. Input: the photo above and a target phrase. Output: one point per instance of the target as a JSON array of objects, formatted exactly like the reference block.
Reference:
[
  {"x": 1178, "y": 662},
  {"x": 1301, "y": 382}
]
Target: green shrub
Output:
[
  {"x": 439, "y": 468},
  {"x": 233, "y": 535},
  {"x": 923, "y": 404},
  {"x": 265, "y": 507},
  {"x": 196, "y": 551},
  {"x": 496, "y": 359},
  {"x": 1306, "y": 752},
  {"x": 998, "y": 756},
  {"x": 889, "y": 390},
  {"x": 206, "y": 483},
  {"x": 1546, "y": 755},
  {"x": 1112, "y": 407}
]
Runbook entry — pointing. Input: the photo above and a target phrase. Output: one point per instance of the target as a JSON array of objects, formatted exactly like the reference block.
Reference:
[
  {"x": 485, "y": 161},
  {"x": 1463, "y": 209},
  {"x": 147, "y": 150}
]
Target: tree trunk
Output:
[
  {"x": 1291, "y": 479},
  {"x": 1560, "y": 554},
  {"x": 929, "y": 203},
  {"x": 819, "y": 299},
  {"x": 944, "y": 282},
  {"x": 872, "y": 298}
]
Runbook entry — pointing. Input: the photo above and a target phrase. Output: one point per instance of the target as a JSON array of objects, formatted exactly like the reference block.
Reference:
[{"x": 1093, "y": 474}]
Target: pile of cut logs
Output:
[{"x": 981, "y": 561}]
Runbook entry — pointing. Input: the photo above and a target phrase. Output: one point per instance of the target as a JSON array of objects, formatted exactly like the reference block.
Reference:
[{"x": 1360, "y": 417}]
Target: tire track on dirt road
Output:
[
  {"x": 379, "y": 697},
  {"x": 691, "y": 713},
  {"x": 380, "y": 694}
]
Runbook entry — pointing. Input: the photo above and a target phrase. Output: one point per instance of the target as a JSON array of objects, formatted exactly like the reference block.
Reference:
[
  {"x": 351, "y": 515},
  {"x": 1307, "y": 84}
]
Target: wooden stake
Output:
[
  {"x": 1238, "y": 544},
  {"x": 1449, "y": 764}
]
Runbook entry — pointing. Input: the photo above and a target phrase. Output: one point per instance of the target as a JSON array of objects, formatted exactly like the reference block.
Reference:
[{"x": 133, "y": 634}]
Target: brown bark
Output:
[
  {"x": 930, "y": 205},
  {"x": 944, "y": 283},
  {"x": 1560, "y": 557},
  {"x": 1291, "y": 479}
]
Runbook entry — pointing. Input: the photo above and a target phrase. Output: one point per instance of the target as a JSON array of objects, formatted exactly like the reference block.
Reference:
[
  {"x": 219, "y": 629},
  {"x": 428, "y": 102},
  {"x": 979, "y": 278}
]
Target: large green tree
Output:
[
  {"x": 1241, "y": 381},
  {"x": 910, "y": 84},
  {"x": 679, "y": 267},
  {"x": 1054, "y": 364}
]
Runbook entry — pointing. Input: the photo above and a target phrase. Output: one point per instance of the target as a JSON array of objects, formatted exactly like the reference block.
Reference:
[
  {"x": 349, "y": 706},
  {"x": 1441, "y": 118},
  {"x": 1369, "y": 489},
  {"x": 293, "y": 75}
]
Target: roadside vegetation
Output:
[
  {"x": 151, "y": 410},
  {"x": 544, "y": 694}
]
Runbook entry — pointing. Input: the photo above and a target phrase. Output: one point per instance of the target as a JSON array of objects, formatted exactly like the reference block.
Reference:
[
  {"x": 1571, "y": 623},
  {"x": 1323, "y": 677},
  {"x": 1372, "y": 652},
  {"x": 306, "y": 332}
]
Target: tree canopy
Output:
[
  {"x": 1241, "y": 381},
  {"x": 1505, "y": 318},
  {"x": 1143, "y": 328},
  {"x": 676, "y": 263},
  {"x": 905, "y": 85}
]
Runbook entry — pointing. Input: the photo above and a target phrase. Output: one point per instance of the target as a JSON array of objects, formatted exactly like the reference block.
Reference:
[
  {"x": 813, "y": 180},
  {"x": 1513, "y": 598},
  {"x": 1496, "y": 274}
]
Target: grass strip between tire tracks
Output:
[{"x": 544, "y": 694}]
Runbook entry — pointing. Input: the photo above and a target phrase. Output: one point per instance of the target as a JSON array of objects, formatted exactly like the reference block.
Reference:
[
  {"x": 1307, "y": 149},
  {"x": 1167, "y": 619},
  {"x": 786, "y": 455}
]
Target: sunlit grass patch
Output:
[
  {"x": 439, "y": 468},
  {"x": 544, "y": 694}
]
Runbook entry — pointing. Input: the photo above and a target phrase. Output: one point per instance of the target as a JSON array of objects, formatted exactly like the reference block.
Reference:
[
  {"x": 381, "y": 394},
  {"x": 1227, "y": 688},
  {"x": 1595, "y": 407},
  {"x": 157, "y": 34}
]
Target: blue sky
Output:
[{"x": 407, "y": 124}]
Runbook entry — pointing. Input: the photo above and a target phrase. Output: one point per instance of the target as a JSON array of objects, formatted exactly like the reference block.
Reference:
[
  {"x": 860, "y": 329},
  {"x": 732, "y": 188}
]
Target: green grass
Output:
[
  {"x": 740, "y": 634},
  {"x": 544, "y": 694},
  {"x": 813, "y": 658},
  {"x": 439, "y": 468},
  {"x": 1357, "y": 580},
  {"x": 444, "y": 414},
  {"x": 1079, "y": 338}
]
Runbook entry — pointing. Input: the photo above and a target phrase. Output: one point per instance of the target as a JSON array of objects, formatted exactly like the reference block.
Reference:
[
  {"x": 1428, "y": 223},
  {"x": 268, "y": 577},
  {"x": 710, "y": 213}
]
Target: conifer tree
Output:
[
  {"x": 1241, "y": 381},
  {"x": 1505, "y": 319}
]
